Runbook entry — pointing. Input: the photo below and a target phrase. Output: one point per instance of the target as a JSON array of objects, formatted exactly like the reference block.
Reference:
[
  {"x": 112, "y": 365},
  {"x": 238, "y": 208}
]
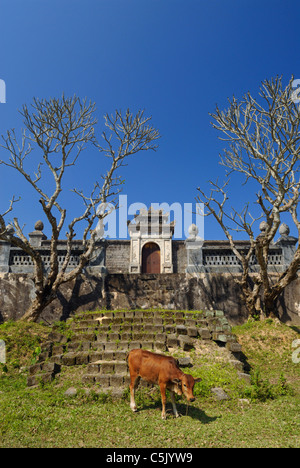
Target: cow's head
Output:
[{"x": 185, "y": 385}]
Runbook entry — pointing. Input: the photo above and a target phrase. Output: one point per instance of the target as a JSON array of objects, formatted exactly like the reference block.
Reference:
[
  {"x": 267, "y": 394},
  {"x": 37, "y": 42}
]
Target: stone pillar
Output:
[
  {"x": 36, "y": 237},
  {"x": 194, "y": 245},
  {"x": 135, "y": 253},
  {"x": 287, "y": 243}
]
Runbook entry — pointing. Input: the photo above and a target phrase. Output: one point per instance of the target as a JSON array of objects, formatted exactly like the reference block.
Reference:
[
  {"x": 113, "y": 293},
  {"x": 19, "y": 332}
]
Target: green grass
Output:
[{"x": 265, "y": 414}]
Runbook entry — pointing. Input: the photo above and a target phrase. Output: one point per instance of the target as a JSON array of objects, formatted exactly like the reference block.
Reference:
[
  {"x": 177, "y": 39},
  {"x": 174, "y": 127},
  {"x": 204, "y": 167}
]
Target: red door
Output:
[{"x": 151, "y": 258}]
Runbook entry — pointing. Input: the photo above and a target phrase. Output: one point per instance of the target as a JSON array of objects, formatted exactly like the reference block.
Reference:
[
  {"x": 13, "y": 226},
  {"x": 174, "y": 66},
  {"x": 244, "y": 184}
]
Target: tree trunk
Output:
[{"x": 40, "y": 302}]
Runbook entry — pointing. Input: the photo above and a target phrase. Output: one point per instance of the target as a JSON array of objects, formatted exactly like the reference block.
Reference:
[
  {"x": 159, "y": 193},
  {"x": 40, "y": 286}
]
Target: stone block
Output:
[
  {"x": 98, "y": 345},
  {"x": 134, "y": 345},
  {"x": 111, "y": 346},
  {"x": 129, "y": 315},
  {"x": 72, "y": 347},
  {"x": 117, "y": 320},
  {"x": 147, "y": 345},
  {"x": 121, "y": 367},
  {"x": 237, "y": 364},
  {"x": 245, "y": 377},
  {"x": 88, "y": 378},
  {"x": 185, "y": 342},
  {"x": 161, "y": 337},
  {"x": 149, "y": 336},
  {"x": 38, "y": 379},
  {"x": 209, "y": 313},
  {"x": 123, "y": 345},
  {"x": 181, "y": 330},
  {"x": 148, "y": 320},
  {"x": 189, "y": 322},
  {"x": 57, "y": 337},
  {"x": 219, "y": 393},
  {"x": 102, "y": 379},
  {"x": 108, "y": 355},
  {"x": 219, "y": 313},
  {"x": 126, "y": 380},
  {"x": 219, "y": 337},
  {"x": 192, "y": 331},
  {"x": 184, "y": 362},
  {"x": 178, "y": 315},
  {"x": 160, "y": 346},
  {"x": 44, "y": 355},
  {"x": 95, "y": 356},
  {"x": 56, "y": 358},
  {"x": 169, "y": 328},
  {"x": 120, "y": 355},
  {"x": 138, "y": 314},
  {"x": 102, "y": 336},
  {"x": 35, "y": 369},
  {"x": 82, "y": 358},
  {"x": 168, "y": 321},
  {"x": 114, "y": 336},
  {"x": 179, "y": 321},
  {"x": 172, "y": 340},
  {"x": 51, "y": 367},
  {"x": 86, "y": 345},
  {"x": 93, "y": 368},
  {"x": 151, "y": 328},
  {"x": 116, "y": 380},
  {"x": 126, "y": 336},
  {"x": 105, "y": 321},
  {"x": 69, "y": 359},
  {"x": 234, "y": 347},
  {"x": 107, "y": 367},
  {"x": 136, "y": 336},
  {"x": 158, "y": 321},
  {"x": 204, "y": 333}
]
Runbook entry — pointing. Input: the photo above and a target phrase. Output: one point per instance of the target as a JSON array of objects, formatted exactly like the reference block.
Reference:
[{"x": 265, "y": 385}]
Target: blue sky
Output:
[{"x": 176, "y": 59}]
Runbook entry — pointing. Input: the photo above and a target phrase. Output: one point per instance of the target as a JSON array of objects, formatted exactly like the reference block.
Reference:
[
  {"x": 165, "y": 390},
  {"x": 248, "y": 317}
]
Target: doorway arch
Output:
[{"x": 151, "y": 258}]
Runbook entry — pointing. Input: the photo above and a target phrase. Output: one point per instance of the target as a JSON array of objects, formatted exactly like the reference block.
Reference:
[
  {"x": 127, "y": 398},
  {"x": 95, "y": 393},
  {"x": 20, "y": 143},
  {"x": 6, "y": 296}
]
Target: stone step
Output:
[
  {"x": 108, "y": 367},
  {"x": 107, "y": 381},
  {"x": 42, "y": 372}
]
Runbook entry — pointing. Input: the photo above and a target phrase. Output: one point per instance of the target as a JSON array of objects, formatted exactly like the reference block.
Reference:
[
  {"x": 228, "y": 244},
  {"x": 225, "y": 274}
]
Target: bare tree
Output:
[
  {"x": 60, "y": 129},
  {"x": 263, "y": 146}
]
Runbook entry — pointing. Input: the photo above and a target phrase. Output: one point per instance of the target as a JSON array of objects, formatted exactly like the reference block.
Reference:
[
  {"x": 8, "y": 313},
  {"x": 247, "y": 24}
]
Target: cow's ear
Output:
[
  {"x": 176, "y": 381},
  {"x": 198, "y": 379}
]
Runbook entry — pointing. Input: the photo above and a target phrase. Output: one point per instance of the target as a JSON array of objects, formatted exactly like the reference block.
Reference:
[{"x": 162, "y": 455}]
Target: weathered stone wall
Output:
[
  {"x": 169, "y": 291},
  {"x": 117, "y": 256}
]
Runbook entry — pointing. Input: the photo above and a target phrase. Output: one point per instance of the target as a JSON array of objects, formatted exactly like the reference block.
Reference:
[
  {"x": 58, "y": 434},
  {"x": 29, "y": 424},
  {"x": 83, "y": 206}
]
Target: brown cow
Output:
[{"x": 161, "y": 370}]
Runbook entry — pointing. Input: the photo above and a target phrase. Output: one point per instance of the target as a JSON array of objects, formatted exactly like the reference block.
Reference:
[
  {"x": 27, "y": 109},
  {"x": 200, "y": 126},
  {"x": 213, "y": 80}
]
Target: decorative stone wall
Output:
[
  {"x": 202, "y": 278},
  {"x": 179, "y": 291}
]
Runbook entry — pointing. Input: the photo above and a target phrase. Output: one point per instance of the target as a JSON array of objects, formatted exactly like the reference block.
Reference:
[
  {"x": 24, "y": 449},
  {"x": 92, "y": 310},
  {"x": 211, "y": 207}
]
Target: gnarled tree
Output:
[
  {"x": 263, "y": 137},
  {"x": 59, "y": 129}
]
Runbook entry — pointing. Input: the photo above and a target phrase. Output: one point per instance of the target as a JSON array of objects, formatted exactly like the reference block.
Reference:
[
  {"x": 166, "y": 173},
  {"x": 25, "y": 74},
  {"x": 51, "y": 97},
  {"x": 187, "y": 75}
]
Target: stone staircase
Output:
[{"x": 99, "y": 342}]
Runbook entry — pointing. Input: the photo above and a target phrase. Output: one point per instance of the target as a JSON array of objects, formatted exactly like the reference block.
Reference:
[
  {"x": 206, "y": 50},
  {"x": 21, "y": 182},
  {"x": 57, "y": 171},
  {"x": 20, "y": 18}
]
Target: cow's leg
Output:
[
  {"x": 163, "y": 399},
  {"x": 134, "y": 381},
  {"x": 172, "y": 394}
]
